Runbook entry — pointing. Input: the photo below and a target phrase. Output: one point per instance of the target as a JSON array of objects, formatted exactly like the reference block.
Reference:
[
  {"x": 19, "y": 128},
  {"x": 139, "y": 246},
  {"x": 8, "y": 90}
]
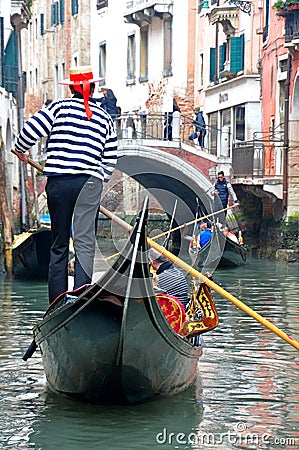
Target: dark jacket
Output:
[
  {"x": 225, "y": 189},
  {"x": 108, "y": 103},
  {"x": 200, "y": 123}
]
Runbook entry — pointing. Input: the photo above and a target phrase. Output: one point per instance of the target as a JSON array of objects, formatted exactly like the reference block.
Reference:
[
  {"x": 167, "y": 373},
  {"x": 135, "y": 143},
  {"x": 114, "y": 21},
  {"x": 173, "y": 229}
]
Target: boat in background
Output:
[
  {"x": 220, "y": 252},
  {"x": 111, "y": 342},
  {"x": 31, "y": 253}
]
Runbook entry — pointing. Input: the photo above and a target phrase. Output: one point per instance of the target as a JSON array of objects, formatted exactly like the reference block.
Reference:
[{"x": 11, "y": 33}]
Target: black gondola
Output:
[
  {"x": 31, "y": 253},
  {"x": 113, "y": 343},
  {"x": 221, "y": 251}
]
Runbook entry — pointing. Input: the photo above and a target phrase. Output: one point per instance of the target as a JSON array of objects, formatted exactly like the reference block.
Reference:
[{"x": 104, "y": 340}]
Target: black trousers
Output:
[{"x": 62, "y": 196}]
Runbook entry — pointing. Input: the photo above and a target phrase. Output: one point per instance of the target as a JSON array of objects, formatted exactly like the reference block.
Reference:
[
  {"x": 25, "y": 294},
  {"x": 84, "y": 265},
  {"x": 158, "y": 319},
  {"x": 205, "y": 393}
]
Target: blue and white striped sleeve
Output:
[
  {"x": 38, "y": 126},
  {"x": 109, "y": 157}
]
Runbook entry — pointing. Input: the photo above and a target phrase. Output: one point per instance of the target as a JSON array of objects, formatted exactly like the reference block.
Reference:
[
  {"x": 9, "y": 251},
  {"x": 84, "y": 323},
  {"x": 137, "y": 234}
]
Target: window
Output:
[
  {"x": 75, "y": 7},
  {"x": 54, "y": 14},
  {"x": 222, "y": 56},
  {"x": 213, "y": 123},
  {"x": 225, "y": 118},
  {"x": 102, "y": 60},
  {"x": 143, "y": 54},
  {"x": 212, "y": 64},
  {"x": 201, "y": 69},
  {"x": 36, "y": 81},
  {"x": 237, "y": 53},
  {"x": 61, "y": 11},
  {"x": 42, "y": 24},
  {"x": 102, "y": 4},
  {"x": 266, "y": 19},
  {"x": 167, "y": 69},
  {"x": 240, "y": 123},
  {"x": 131, "y": 62}
]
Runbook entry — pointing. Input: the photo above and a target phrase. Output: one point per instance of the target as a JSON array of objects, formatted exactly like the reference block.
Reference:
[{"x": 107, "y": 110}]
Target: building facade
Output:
[{"x": 280, "y": 100}]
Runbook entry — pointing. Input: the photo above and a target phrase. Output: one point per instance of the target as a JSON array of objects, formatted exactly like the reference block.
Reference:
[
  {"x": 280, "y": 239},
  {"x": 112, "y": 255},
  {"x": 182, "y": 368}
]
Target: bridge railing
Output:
[{"x": 167, "y": 127}]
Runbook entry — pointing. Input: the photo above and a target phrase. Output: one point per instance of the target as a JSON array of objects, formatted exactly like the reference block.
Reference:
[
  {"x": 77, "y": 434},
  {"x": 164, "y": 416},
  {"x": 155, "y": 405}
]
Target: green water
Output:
[{"x": 246, "y": 394}]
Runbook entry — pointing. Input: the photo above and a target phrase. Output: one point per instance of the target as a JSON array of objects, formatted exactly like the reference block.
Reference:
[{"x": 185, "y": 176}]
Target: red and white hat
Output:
[{"x": 81, "y": 77}]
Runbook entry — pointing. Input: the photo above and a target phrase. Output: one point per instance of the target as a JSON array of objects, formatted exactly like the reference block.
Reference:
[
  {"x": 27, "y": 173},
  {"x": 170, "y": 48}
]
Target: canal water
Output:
[{"x": 246, "y": 393}]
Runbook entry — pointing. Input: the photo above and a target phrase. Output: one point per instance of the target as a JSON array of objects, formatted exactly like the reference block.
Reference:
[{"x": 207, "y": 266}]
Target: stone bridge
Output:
[{"x": 169, "y": 171}]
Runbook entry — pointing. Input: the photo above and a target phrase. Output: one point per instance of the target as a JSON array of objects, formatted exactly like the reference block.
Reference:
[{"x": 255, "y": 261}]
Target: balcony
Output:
[
  {"x": 227, "y": 16},
  {"x": 292, "y": 26},
  {"x": 20, "y": 13},
  {"x": 141, "y": 12},
  {"x": 102, "y": 4}
]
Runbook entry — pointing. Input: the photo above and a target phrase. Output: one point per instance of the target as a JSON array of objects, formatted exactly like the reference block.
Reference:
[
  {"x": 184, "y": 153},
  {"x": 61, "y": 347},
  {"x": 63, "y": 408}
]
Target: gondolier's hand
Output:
[{"x": 23, "y": 156}]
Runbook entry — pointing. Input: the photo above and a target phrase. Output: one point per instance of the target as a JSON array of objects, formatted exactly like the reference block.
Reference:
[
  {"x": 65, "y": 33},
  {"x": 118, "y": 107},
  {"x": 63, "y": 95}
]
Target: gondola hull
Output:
[
  {"x": 31, "y": 254},
  {"x": 113, "y": 343},
  {"x": 220, "y": 252}
]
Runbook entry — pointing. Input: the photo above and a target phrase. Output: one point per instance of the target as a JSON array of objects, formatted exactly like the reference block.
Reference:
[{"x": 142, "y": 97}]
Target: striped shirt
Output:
[
  {"x": 172, "y": 281},
  {"x": 75, "y": 144}
]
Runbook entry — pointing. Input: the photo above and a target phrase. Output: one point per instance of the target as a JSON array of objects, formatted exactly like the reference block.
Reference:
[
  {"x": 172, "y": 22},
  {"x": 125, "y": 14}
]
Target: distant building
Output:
[{"x": 280, "y": 103}]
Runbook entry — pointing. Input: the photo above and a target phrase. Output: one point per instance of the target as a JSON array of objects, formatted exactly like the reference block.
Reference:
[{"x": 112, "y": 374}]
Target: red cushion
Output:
[{"x": 172, "y": 309}]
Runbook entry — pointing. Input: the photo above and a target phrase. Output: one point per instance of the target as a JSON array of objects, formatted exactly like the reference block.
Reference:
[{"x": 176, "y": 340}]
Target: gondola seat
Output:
[{"x": 172, "y": 309}]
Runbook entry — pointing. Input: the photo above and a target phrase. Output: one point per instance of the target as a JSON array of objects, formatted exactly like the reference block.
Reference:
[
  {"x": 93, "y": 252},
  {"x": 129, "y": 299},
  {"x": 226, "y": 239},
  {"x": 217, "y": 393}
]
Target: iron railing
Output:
[
  {"x": 291, "y": 25},
  {"x": 258, "y": 158}
]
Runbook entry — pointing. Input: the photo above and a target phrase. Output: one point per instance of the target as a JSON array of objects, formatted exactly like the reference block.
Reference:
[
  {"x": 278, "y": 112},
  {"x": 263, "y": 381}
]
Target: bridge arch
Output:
[{"x": 166, "y": 177}]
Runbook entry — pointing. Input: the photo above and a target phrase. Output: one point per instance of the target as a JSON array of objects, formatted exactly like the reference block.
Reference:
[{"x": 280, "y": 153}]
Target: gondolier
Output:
[
  {"x": 223, "y": 189},
  {"x": 81, "y": 155}
]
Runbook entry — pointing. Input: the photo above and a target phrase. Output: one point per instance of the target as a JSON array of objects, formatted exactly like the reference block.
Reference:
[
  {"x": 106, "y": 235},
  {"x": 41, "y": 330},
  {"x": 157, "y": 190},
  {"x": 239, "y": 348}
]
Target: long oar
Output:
[
  {"x": 196, "y": 274},
  {"x": 207, "y": 281}
]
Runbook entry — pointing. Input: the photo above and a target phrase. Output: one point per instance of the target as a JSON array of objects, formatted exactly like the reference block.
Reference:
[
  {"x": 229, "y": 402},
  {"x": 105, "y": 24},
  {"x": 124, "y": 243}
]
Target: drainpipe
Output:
[{"x": 286, "y": 135}]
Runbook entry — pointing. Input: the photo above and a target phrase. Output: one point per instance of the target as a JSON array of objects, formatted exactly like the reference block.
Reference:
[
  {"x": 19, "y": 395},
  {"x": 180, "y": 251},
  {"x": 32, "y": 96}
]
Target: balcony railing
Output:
[
  {"x": 291, "y": 25},
  {"x": 102, "y": 4}
]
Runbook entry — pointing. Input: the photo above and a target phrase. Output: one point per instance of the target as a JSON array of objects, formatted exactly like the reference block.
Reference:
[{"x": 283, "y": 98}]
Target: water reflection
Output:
[{"x": 246, "y": 395}]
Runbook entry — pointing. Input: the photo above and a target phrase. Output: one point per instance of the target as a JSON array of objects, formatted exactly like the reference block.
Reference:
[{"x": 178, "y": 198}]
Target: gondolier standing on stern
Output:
[
  {"x": 81, "y": 155},
  {"x": 222, "y": 190}
]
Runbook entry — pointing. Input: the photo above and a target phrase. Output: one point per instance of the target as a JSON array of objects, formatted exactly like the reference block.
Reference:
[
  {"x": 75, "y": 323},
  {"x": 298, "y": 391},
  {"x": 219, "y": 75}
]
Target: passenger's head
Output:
[{"x": 156, "y": 258}]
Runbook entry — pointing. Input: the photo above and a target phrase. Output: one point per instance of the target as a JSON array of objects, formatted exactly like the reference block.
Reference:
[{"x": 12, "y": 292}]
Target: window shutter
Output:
[
  {"x": 237, "y": 53},
  {"x": 212, "y": 63},
  {"x": 61, "y": 11},
  {"x": 42, "y": 24},
  {"x": 74, "y": 7},
  {"x": 222, "y": 56}
]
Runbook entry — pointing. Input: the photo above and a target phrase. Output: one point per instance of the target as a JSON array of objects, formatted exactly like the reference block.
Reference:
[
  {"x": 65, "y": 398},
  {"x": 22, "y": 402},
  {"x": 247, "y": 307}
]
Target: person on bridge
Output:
[
  {"x": 81, "y": 155},
  {"x": 222, "y": 190},
  {"x": 108, "y": 101},
  {"x": 200, "y": 127}
]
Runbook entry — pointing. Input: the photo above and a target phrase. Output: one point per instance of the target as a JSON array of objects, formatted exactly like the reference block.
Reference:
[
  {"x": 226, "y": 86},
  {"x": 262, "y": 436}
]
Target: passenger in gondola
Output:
[
  {"x": 168, "y": 278},
  {"x": 205, "y": 235},
  {"x": 230, "y": 234}
]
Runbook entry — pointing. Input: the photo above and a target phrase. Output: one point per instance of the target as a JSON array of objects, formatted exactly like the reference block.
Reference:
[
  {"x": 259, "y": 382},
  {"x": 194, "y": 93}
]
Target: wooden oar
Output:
[
  {"x": 195, "y": 273},
  {"x": 32, "y": 163},
  {"x": 207, "y": 281}
]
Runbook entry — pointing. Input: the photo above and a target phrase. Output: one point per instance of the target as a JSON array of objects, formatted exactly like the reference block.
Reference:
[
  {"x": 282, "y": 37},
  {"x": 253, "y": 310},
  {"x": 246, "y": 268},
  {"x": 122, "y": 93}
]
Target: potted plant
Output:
[{"x": 280, "y": 6}]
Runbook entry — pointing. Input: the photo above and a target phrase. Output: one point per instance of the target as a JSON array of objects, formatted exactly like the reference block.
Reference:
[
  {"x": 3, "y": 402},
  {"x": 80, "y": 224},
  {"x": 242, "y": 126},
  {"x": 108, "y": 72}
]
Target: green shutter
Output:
[
  {"x": 11, "y": 65},
  {"x": 61, "y": 11},
  {"x": 212, "y": 63},
  {"x": 237, "y": 53},
  {"x": 74, "y": 7},
  {"x": 42, "y": 24},
  {"x": 52, "y": 14},
  {"x": 222, "y": 56}
]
